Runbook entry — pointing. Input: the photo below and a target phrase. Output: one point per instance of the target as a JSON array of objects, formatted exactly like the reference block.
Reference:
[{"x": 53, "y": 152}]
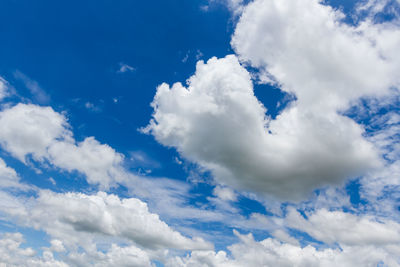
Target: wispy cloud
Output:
[
  {"x": 125, "y": 68},
  {"x": 34, "y": 88},
  {"x": 92, "y": 107},
  {"x": 3, "y": 88}
]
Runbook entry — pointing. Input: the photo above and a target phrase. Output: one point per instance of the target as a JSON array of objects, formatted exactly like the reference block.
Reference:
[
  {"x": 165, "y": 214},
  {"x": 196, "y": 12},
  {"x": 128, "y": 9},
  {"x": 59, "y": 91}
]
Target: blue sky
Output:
[{"x": 199, "y": 133}]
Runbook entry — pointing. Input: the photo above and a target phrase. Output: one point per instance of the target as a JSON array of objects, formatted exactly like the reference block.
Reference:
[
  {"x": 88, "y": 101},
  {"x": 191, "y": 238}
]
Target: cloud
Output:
[
  {"x": 345, "y": 229},
  {"x": 99, "y": 162},
  {"x": 375, "y": 8},
  {"x": 9, "y": 178},
  {"x": 126, "y": 256},
  {"x": 3, "y": 88},
  {"x": 72, "y": 213},
  {"x": 45, "y": 135},
  {"x": 34, "y": 88},
  {"x": 309, "y": 51},
  {"x": 80, "y": 225},
  {"x": 125, "y": 68},
  {"x": 218, "y": 123},
  {"x": 270, "y": 252},
  {"x": 92, "y": 107},
  {"x": 31, "y": 129},
  {"x": 225, "y": 193},
  {"x": 12, "y": 254},
  {"x": 235, "y": 6}
]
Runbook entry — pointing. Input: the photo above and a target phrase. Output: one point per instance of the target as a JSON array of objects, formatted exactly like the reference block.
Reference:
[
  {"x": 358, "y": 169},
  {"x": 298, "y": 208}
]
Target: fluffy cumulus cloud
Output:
[
  {"x": 218, "y": 122},
  {"x": 28, "y": 130}
]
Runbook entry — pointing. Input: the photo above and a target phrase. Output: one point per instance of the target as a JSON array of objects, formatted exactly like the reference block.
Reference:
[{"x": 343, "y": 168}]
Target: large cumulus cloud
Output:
[{"x": 218, "y": 122}]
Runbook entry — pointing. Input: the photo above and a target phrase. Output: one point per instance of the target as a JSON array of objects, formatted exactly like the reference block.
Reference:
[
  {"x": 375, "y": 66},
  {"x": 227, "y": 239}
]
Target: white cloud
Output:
[
  {"x": 345, "y": 228},
  {"x": 27, "y": 129},
  {"x": 3, "y": 88},
  {"x": 9, "y": 178},
  {"x": 225, "y": 193},
  {"x": 12, "y": 254},
  {"x": 92, "y": 107},
  {"x": 129, "y": 256},
  {"x": 60, "y": 215},
  {"x": 73, "y": 218},
  {"x": 235, "y": 6},
  {"x": 372, "y": 8},
  {"x": 271, "y": 252},
  {"x": 306, "y": 50},
  {"x": 311, "y": 53},
  {"x": 125, "y": 68},
  {"x": 97, "y": 230},
  {"x": 30, "y": 129},
  {"x": 34, "y": 88},
  {"x": 99, "y": 162},
  {"x": 218, "y": 122}
]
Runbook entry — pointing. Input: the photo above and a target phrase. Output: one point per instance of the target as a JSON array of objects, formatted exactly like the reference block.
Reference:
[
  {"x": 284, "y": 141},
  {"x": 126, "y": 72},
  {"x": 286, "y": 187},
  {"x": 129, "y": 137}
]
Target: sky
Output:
[{"x": 203, "y": 133}]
